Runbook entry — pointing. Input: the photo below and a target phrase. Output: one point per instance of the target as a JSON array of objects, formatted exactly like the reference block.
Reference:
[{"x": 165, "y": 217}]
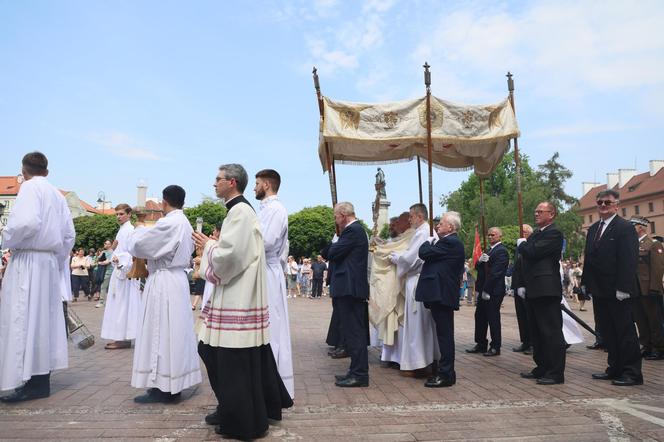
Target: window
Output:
[
  {"x": 636, "y": 210},
  {"x": 590, "y": 219},
  {"x": 652, "y": 227},
  {"x": 651, "y": 207},
  {"x": 624, "y": 212}
]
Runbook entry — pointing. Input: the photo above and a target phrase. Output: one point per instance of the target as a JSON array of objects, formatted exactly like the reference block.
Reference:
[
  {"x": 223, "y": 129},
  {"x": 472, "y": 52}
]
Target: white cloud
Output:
[{"x": 124, "y": 145}]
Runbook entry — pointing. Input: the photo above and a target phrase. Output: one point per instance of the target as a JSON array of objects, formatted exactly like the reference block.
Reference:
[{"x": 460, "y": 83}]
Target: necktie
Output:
[{"x": 598, "y": 234}]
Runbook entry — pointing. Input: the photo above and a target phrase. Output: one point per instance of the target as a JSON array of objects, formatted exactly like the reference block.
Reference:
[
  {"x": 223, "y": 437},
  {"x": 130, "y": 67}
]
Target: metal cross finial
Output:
[
  {"x": 427, "y": 75},
  {"x": 510, "y": 82},
  {"x": 316, "y": 83}
]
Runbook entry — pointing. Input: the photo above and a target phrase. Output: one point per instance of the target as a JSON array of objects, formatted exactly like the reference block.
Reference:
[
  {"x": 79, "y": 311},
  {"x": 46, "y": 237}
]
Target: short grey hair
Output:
[
  {"x": 527, "y": 228},
  {"x": 345, "y": 208},
  {"x": 454, "y": 218},
  {"x": 236, "y": 172},
  {"x": 498, "y": 230}
]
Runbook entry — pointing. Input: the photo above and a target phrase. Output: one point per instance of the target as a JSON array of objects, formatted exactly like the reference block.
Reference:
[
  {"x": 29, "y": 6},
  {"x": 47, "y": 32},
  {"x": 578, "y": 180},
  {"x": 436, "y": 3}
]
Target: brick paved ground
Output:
[{"x": 93, "y": 399}]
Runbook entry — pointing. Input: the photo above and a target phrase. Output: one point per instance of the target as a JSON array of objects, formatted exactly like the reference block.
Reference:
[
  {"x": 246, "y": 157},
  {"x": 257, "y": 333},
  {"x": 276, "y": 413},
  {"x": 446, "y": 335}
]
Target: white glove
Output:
[
  {"x": 485, "y": 296},
  {"x": 335, "y": 238},
  {"x": 394, "y": 257},
  {"x": 520, "y": 241},
  {"x": 483, "y": 258},
  {"x": 621, "y": 296},
  {"x": 521, "y": 291}
]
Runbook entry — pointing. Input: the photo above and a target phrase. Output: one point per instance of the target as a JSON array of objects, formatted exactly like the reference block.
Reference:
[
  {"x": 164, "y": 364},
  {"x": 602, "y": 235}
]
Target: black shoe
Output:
[
  {"x": 388, "y": 364},
  {"x": 476, "y": 349},
  {"x": 352, "y": 382},
  {"x": 529, "y": 375},
  {"x": 340, "y": 377},
  {"x": 439, "y": 382},
  {"x": 654, "y": 356},
  {"x": 549, "y": 381},
  {"x": 26, "y": 394},
  {"x": 492, "y": 352},
  {"x": 340, "y": 354},
  {"x": 626, "y": 381},
  {"x": 603, "y": 376},
  {"x": 332, "y": 350},
  {"x": 213, "y": 418},
  {"x": 157, "y": 396},
  {"x": 528, "y": 351},
  {"x": 521, "y": 348},
  {"x": 596, "y": 346}
]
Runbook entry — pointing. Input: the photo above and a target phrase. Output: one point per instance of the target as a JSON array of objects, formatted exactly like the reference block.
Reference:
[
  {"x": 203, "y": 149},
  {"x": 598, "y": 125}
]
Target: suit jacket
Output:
[
  {"x": 349, "y": 263},
  {"x": 493, "y": 281},
  {"x": 440, "y": 278},
  {"x": 540, "y": 261},
  {"x": 610, "y": 264},
  {"x": 650, "y": 266},
  {"x": 517, "y": 271}
]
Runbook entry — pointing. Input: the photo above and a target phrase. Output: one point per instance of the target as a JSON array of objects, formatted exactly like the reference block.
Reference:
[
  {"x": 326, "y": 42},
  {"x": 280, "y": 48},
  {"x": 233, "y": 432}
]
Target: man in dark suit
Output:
[
  {"x": 490, "y": 287},
  {"x": 520, "y": 302},
  {"x": 349, "y": 287},
  {"x": 542, "y": 289},
  {"x": 438, "y": 289},
  {"x": 609, "y": 274}
]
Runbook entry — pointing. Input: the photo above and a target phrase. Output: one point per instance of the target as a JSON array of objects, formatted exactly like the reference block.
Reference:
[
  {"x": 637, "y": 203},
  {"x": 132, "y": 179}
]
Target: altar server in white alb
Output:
[
  {"x": 234, "y": 332},
  {"x": 123, "y": 301},
  {"x": 419, "y": 346},
  {"x": 165, "y": 357},
  {"x": 40, "y": 234},
  {"x": 274, "y": 225}
]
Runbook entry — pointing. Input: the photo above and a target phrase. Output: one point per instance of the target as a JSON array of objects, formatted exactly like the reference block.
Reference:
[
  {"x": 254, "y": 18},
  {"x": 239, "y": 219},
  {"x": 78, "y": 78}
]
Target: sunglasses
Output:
[{"x": 605, "y": 202}]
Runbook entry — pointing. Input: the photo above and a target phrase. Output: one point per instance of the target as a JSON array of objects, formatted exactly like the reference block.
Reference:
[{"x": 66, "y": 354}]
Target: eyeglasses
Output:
[
  {"x": 223, "y": 179},
  {"x": 605, "y": 202},
  {"x": 541, "y": 211}
]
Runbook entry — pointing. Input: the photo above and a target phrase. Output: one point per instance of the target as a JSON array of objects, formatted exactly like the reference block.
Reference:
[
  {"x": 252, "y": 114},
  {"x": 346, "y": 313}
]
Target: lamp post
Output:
[{"x": 101, "y": 199}]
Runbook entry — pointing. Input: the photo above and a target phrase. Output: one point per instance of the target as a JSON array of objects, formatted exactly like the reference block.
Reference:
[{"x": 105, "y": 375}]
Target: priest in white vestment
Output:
[
  {"x": 234, "y": 331},
  {"x": 273, "y": 218},
  {"x": 165, "y": 357},
  {"x": 40, "y": 234},
  {"x": 418, "y": 345},
  {"x": 123, "y": 301}
]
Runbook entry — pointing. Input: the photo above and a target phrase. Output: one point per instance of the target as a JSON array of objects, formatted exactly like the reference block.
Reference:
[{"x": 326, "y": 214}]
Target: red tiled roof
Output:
[
  {"x": 638, "y": 186},
  {"x": 9, "y": 185},
  {"x": 88, "y": 208}
]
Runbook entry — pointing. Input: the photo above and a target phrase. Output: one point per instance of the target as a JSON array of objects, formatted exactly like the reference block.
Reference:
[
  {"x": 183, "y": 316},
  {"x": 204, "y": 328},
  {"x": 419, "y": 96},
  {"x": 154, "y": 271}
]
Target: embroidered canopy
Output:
[{"x": 464, "y": 137}]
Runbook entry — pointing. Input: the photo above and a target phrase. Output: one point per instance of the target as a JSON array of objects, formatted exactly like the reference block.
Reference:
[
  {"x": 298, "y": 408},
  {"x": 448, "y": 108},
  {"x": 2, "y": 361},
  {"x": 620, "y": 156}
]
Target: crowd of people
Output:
[{"x": 399, "y": 294}]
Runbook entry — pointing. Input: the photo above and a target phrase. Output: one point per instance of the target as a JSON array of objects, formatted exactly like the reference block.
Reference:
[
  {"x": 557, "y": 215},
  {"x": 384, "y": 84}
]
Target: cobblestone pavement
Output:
[{"x": 93, "y": 398}]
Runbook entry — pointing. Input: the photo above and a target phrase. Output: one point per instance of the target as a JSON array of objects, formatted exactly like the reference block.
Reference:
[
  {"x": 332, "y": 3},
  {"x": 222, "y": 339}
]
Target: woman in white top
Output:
[{"x": 79, "y": 275}]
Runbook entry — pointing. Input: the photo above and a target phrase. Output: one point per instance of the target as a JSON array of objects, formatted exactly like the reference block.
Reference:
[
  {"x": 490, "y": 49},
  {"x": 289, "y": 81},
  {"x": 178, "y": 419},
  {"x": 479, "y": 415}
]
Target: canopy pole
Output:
[
  {"x": 328, "y": 156},
  {"x": 419, "y": 177},
  {"x": 482, "y": 219},
  {"x": 427, "y": 83},
  {"x": 517, "y": 160}
]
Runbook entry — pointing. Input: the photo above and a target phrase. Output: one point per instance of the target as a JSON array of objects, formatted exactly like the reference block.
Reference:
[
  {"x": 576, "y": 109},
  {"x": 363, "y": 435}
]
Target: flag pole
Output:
[
  {"x": 482, "y": 219},
  {"x": 517, "y": 160},
  {"x": 419, "y": 176},
  {"x": 427, "y": 83}
]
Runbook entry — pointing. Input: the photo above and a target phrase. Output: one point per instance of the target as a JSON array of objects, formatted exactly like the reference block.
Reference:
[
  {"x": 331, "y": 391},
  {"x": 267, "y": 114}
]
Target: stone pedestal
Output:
[{"x": 383, "y": 213}]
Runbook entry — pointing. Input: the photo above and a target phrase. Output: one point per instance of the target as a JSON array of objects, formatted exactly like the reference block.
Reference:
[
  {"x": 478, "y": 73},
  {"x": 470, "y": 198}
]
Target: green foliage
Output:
[
  {"x": 211, "y": 211},
  {"x": 510, "y": 235},
  {"x": 501, "y": 207},
  {"x": 385, "y": 232},
  {"x": 92, "y": 231},
  {"x": 309, "y": 230}
]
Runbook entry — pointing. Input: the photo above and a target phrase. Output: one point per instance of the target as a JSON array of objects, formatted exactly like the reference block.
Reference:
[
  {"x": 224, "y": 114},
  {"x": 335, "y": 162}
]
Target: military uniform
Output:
[{"x": 648, "y": 308}]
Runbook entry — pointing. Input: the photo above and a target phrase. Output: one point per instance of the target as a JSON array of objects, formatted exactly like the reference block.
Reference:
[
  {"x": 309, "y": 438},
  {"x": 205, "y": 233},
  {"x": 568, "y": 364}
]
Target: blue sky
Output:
[{"x": 165, "y": 91}]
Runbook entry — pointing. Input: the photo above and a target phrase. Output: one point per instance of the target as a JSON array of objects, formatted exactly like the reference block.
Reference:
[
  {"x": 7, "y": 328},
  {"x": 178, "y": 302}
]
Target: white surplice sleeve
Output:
[
  {"x": 153, "y": 242},
  {"x": 409, "y": 259}
]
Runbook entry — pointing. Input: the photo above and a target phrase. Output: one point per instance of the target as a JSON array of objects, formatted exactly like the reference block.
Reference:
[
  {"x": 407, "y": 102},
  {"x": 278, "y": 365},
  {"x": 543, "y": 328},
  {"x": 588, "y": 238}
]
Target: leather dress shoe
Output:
[
  {"x": 626, "y": 381},
  {"x": 603, "y": 376},
  {"x": 654, "y": 356},
  {"x": 492, "y": 352},
  {"x": 154, "y": 396},
  {"x": 529, "y": 375},
  {"x": 476, "y": 349},
  {"x": 352, "y": 382},
  {"x": 595, "y": 346},
  {"x": 339, "y": 354},
  {"x": 26, "y": 394},
  {"x": 340, "y": 377},
  {"x": 549, "y": 381},
  {"x": 332, "y": 350},
  {"x": 213, "y": 418},
  {"x": 439, "y": 382},
  {"x": 521, "y": 348}
]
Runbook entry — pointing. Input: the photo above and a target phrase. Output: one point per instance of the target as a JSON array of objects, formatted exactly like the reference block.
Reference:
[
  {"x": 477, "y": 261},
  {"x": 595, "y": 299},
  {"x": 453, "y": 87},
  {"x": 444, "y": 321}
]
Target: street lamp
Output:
[{"x": 101, "y": 199}]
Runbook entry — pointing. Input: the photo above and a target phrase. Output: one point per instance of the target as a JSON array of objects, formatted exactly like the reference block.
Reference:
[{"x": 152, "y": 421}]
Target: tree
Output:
[
  {"x": 553, "y": 175},
  {"x": 309, "y": 230},
  {"x": 211, "y": 211},
  {"x": 92, "y": 231}
]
